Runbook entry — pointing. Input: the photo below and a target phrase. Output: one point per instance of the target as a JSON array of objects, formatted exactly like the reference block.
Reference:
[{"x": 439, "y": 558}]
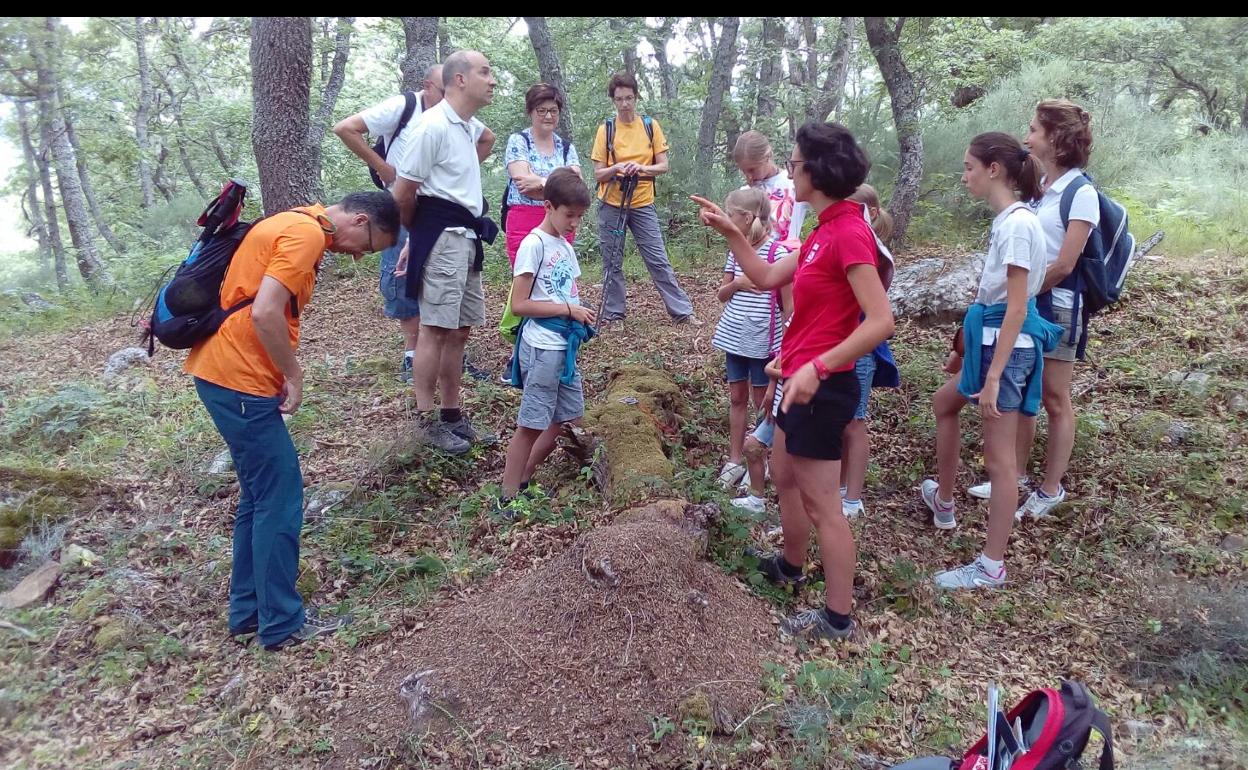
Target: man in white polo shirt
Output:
[{"x": 438, "y": 190}]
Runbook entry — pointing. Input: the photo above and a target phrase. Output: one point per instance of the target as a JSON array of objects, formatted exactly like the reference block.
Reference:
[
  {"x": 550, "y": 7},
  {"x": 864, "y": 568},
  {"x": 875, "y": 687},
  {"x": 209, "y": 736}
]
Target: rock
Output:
[
  {"x": 1178, "y": 432},
  {"x": 417, "y": 691},
  {"x": 34, "y": 588},
  {"x": 1238, "y": 403},
  {"x": 31, "y": 300},
  {"x": 124, "y": 359},
  {"x": 936, "y": 289},
  {"x": 222, "y": 464},
  {"x": 233, "y": 691},
  {"x": 1193, "y": 383},
  {"x": 114, "y": 634},
  {"x": 325, "y": 497},
  {"x": 1233, "y": 543},
  {"x": 74, "y": 556},
  {"x": 1136, "y": 729},
  {"x": 640, "y": 406}
]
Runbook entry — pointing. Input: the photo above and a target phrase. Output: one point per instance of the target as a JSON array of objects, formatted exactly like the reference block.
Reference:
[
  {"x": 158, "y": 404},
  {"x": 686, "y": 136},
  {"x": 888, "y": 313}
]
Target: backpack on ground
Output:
[{"x": 379, "y": 147}]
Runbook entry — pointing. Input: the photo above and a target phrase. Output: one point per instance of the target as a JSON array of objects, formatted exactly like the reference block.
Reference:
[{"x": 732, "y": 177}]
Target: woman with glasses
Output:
[{"x": 530, "y": 157}]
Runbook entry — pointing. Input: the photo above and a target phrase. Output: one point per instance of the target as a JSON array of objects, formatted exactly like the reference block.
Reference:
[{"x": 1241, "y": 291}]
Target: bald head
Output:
[{"x": 468, "y": 81}]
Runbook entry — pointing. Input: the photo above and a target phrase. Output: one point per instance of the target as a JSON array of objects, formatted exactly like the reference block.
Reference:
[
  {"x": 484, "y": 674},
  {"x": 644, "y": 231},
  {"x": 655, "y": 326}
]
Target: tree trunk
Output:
[
  {"x": 797, "y": 74},
  {"x": 828, "y": 101},
  {"x": 721, "y": 80},
  {"x": 166, "y": 185},
  {"x": 281, "y": 73},
  {"x": 548, "y": 67},
  {"x": 667, "y": 76},
  {"x": 883, "y": 38},
  {"x": 34, "y": 214},
  {"x": 445, "y": 46},
  {"x": 770, "y": 69},
  {"x": 143, "y": 114},
  {"x": 49, "y": 200},
  {"x": 622, "y": 30},
  {"x": 329, "y": 96},
  {"x": 101, "y": 223},
  {"x": 72, "y": 197},
  {"x": 421, "y": 35}
]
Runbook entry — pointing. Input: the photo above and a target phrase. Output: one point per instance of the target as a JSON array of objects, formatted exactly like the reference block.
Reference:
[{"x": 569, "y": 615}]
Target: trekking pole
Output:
[{"x": 627, "y": 186}]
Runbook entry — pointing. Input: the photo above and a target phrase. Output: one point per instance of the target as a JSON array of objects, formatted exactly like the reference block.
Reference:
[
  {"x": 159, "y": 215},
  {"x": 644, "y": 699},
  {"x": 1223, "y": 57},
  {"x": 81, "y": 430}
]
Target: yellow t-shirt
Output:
[
  {"x": 630, "y": 143},
  {"x": 288, "y": 247}
]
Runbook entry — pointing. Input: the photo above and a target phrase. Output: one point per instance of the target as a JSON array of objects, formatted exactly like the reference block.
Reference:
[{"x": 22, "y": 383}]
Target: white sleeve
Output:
[
  {"x": 478, "y": 128},
  {"x": 528, "y": 256},
  {"x": 420, "y": 152},
  {"x": 1085, "y": 206},
  {"x": 799, "y": 217},
  {"x": 383, "y": 118},
  {"x": 1016, "y": 241}
]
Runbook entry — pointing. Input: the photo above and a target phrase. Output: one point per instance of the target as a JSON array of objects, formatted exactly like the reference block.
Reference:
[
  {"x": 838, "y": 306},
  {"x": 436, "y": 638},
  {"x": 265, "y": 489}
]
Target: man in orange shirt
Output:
[{"x": 248, "y": 377}]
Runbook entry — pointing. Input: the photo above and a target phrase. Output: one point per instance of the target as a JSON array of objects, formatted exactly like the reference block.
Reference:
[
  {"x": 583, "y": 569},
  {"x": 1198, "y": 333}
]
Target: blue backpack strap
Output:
[
  {"x": 648, "y": 123},
  {"x": 1068, "y": 198}
]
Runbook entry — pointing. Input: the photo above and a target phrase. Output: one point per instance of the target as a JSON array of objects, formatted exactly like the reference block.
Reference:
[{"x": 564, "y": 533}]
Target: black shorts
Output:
[{"x": 814, "y": 430}]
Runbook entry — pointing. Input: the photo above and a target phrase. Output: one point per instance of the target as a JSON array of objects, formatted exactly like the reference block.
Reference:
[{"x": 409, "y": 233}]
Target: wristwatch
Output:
[{"x": 821, "y": 370}]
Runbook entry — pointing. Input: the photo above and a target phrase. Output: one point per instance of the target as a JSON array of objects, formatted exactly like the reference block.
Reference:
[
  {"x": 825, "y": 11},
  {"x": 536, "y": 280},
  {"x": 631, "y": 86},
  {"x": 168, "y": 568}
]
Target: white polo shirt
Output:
[
  {"x": 1085, "y": 207},
  {"x": 382, "y": 119},
  {"x": 441, "y": 154}
]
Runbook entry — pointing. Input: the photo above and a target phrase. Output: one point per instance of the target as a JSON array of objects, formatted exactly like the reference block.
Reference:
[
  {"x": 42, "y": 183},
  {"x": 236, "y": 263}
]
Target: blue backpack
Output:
[{"x": 1098, "y": 277}]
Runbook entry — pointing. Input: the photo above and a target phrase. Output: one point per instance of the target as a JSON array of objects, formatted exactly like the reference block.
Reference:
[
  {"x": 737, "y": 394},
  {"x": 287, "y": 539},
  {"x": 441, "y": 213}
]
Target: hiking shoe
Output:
[
  {"x": 243, "y": 635},
  {"x": 438, "y": 435},
  {"x": 852, "y": 509},
  {"x": 814, "y": 624},
  {"x": 463, "y": 429},
  {"x": 687, "y": 320},
  {"x": 984, "y": 491},
  {"x": 769, "y": 566},
  {"x": 750, "y": 503},
  {"x": 973, "y": 575},
  {"x": 475, "y": 372},
  {"x": 405, "y": 371},
  {"x": 942, "y": 515},
  {"x": 744, "y": 483},
  {"x": 1039, "y": 505},
  {"x": 314, "y": 625},
  {"x": 731, "y": 474}
]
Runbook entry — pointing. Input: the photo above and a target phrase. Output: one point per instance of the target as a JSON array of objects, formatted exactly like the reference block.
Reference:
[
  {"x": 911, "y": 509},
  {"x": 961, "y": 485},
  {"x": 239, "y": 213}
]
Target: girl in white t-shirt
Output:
[
  {"x": 1000, "y": 370},
  {"x": 753, "y": 156}
]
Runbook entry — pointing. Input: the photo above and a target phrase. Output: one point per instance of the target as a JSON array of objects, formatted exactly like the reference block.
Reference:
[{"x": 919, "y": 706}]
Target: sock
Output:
[
  {"x": 788, "y": 569},
  {"x": 941, "y": 504},
  {"x": 844, "y": 490},
  {"x": 992, "y": 566},
  {"x": 1047, "y": 496},
  {"x": 845, "y": 499},
  {"x": 839, "y": 622},
  {"x": 452, "y": 415}
]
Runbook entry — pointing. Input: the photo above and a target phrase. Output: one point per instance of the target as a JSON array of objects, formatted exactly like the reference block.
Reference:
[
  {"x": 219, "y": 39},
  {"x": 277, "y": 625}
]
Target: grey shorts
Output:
[
  {"x": 451, "y": 295},
  {"x": 1065, "y": 350},
  {"x": 547, "y": 401}
]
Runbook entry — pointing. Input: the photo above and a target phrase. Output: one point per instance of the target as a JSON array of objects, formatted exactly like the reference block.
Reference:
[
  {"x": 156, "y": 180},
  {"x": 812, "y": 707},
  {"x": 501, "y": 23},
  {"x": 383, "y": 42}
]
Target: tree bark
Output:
[
  {"x": 720, "y": 81},
  {"x": 549, "y": 68},
  {"x": 883, "y": 38},
  {"x": 421, "y": 35},
  {"x": 72, "y": 197},
  {"x": 828, "y": 101},
  {"x": 143, "y": 114},
  {"x": 621, "y": 30},
  {"x": 93, "y": 203},
  {"x": 281, "y": 72},
  {"x": 446, "y": 46},
  {"x": 329, "y": 95},
  {"x": 35, "y": 214},
  {"x": 770, "y": 68},
  {"x": 667, "y": 76}
]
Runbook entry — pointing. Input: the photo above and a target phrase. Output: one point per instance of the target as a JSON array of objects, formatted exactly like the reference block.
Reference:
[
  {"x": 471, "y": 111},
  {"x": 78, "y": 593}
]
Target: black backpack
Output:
[
  {"x": 528, "y": 145},
  {"x": 379, "y": 147}
]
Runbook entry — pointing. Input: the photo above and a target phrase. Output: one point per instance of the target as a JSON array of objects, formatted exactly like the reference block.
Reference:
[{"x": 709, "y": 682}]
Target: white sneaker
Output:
[
  {"x": 852, "y": 509},
  {"x": 744, "y": 483},
  {"x": 731, "y": 475},
  {"x": 942, "y": 517},
  {"x": 984, "y": 491},
  {"x": 1040, "y": 507},
  {"x": 751, "y": 503},
  {"x": 972, "y": 575}
]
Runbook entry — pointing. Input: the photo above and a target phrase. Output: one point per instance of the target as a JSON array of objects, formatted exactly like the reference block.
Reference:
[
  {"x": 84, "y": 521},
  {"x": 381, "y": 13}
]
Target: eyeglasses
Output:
[
  {"x": 624, "y": 99},
  {"x": 547, "y": 112},
  {"x": 792, "y": 165}
]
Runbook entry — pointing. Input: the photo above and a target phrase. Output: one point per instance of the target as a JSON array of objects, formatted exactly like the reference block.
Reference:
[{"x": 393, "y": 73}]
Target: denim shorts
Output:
[
  {"x": 864, "y": 369},
  {"x": 1013, "y": 379},
  {"x": 740, "y": 368},
  {"x": 394, "y": 289},
  {"x": 765, "y": 433}
]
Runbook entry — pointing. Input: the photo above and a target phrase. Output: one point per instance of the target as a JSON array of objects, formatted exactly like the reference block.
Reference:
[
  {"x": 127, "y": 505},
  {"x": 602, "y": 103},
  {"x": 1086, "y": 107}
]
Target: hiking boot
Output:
[
  {"x": 769, "y": 566},
  {"x": 731, "y": 474},
  {"x": 852, "y": 509},
  {"x": 750, "y": 503},
  {"x": 245, "y": 634},
  {"x": 438, "y": 435},
  {"x": 942, "y": 513},
  {"x": 405, "y": 371},
  {"x": 313, "y": 626},
  {"x": 687, "y": 320},
  {"x": 973, "y": 575},
  {"x": 984, "y": 491},
  {"x": 463, "y": 429},
  {"x": 1039, "y": 505},
  {"x": 814, "y": 624}
]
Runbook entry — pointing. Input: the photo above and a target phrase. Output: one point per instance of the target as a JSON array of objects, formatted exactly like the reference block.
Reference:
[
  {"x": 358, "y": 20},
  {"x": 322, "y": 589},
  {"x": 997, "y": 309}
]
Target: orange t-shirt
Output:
[{"x": 287, "y": 246}]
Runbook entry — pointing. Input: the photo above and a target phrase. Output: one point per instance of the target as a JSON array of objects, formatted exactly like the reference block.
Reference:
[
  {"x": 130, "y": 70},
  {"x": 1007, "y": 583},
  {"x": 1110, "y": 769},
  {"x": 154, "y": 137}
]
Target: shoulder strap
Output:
[
  {"x": 1101, "y": 723},
  {"x": 648, "y": 122},
  {"x": 565, "y": 144},
  {"x": 528, "y": 140},
  {"x": 1068, "y": 198},
  {"x": 610, "y": 141},
  {"x": 409, "y": 107}
]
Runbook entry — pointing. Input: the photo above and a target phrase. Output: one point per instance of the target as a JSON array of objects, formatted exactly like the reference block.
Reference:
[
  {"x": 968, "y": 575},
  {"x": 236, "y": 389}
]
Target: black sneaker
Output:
[
  {"x": 313, "y": 626},
  {"x": 814, "y": 624},
  {"x": 463, "y": 429},
  {"x": 769, "y": 564},
  {"x": 439, "y": 435}
]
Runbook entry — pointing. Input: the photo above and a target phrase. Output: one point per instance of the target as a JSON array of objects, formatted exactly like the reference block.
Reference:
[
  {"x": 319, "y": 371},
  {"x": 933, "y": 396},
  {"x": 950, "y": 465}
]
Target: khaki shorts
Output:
[
  {"x": 451, "y": 295},
  {"x": 1065, "y": 350}
]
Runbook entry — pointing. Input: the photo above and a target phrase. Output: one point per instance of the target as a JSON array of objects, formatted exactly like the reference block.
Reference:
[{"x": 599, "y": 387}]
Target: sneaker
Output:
[
  {"x": 1039, "y": 505},
  {"x": 814, "y": 624},
  {"x": 463, "y": 429},
  {"x": 731, "y": 475},
  {"x": 405, "y": 371},
  {"x": 507, "y": 508},
  {"x": 744, "y": 483},
  {"x": 438, "y": 435},
  {"x": 690, "y": 320},
  {"x": 769, "y": 566},
  {"x": 313, "y": 626},
  {"x": 972, "y": 575},
  {"x": 852, "y": 509},
  {"x": 984, "y": 491},
  {"x": 750, "y": 503},
  {"x": 942, "y": 517},
  {"x": 474, "y": 372}
]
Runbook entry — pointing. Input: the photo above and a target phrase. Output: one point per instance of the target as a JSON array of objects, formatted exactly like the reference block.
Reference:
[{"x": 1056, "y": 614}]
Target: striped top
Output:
[{"x": 751, "y": 325}]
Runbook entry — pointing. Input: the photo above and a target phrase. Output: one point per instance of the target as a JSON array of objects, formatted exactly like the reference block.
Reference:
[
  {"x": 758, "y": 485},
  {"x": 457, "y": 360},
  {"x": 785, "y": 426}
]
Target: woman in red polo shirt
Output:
[{"x": 835, "y": 283}]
